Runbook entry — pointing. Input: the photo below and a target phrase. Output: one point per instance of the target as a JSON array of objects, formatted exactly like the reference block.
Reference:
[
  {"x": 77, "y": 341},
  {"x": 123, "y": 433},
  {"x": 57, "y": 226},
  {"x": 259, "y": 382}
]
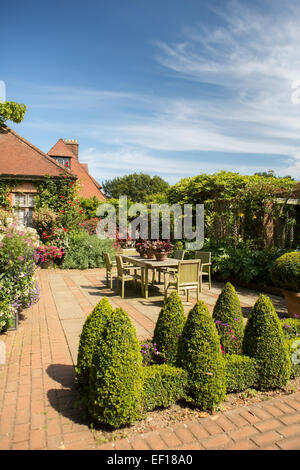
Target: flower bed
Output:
[{"x": 19, "y": 258}]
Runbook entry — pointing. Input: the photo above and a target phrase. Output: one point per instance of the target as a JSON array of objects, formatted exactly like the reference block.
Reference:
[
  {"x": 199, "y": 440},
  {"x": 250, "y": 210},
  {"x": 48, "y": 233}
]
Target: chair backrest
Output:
[
  {"x": 179, "y": 254},
  {"x": 120, "y": 267},
  {"x": 129, "y": 252},
  {"x": 108, "y": 262},
  {"x": 205, "y": 256},
  {"x": 189, "y": 271}
]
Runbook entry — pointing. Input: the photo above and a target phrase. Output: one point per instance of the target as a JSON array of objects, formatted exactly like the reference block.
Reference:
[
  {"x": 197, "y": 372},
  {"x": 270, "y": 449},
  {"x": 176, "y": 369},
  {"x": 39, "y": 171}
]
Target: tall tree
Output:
[{"x": 136, "y": 187}]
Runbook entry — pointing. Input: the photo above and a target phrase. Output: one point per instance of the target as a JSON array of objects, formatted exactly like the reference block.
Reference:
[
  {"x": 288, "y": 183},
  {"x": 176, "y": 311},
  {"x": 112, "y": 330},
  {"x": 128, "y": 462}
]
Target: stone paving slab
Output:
[{"x": 37, "y": 395}]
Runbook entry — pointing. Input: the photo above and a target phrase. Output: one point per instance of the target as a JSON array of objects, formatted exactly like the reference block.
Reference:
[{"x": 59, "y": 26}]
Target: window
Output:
[
  {"x": 64, "y": 161},
  {"x": 23, "y": 205}
]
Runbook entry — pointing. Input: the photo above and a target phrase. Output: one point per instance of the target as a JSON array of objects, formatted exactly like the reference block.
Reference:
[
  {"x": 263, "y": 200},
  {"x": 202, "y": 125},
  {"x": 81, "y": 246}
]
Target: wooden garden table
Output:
[{"x": 147, "y": 264}]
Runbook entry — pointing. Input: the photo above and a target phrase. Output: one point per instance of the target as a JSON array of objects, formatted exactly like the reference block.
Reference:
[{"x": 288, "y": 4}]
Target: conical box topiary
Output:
[
  {"x": 264, "y": 340},
  {"x": 199, "y": 353},
  {"x": 229, "y": 320},
  {"x": 169, "y": 327},
  {"x": 116, "y": 384},
  {"x": 90, "y": 332}
]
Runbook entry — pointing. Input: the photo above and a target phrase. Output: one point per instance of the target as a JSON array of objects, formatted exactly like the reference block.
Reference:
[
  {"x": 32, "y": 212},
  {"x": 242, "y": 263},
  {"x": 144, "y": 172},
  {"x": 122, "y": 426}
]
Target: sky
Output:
[{"x": 172, "y": 88}]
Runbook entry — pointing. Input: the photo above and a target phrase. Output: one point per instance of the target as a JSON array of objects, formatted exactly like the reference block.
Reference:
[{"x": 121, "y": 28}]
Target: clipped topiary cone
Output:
[
  {"x": 169, "y": 327},
  {"x": 199, "y": 353},
  {"x": 116, "y": 383},
  {"x": 91, "y": 330},
  {"x": 264, "y": 340},
  {"x": 229, "y": 320}
]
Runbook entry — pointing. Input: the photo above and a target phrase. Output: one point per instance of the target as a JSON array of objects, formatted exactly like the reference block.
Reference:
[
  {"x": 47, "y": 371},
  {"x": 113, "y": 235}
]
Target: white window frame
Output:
[{"x": 25, "y": 207}]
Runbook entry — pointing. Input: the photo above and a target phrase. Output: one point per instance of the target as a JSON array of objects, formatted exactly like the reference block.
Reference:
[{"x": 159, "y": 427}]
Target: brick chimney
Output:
[{"x": 73, "y": 146}]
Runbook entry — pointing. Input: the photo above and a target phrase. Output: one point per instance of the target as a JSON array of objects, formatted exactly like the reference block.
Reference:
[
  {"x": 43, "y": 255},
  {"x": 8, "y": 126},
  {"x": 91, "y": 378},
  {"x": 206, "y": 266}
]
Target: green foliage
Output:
[
  {"x": 293, "y": 345},
  {"x": 60, "y": 195},
  {"x": 11, "y": 111},
  {"x": 290, "y": 327},
  {"x": 164, "y": 385},
  {"x": 86, "y": 251},
  {"x": 285, "y": 271},
  {"x": 91, "y": 331},
  {"x": 45, "y": 219},
  {"x": 6, "y": 315},
  {"x": 89, "y": 206},
  {"x": 116, "y": 381},
  {"x": 199, "y": 353},
  {"x": 243, "y": 261},
  {"x": 236, "y": 205},
  {"x": 169, "y": 327},
  {"x": 264, "y": 340},
  {"x": 241, "y": 373},
  {"x": 136, "y": 187},
  {"x": 229, "y": 320}
]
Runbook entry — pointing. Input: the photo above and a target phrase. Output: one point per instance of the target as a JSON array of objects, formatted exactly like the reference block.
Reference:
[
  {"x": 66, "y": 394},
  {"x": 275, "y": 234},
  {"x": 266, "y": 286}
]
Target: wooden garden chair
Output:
[
  {"x": 187, "y": 277},
  {"x": 124, "y": 273},
  {"x": 109, "y": 268},
  {"x": 179, "y": 254},
  {"x": 205, "y": 257}
]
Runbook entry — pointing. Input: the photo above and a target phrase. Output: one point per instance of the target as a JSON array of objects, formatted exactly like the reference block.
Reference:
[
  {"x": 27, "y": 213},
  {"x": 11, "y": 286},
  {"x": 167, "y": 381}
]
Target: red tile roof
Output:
[
  {"x": 89, "y": 187},
  {"x": 18, "y": 157},
  {"x": 60, "y": 149}
]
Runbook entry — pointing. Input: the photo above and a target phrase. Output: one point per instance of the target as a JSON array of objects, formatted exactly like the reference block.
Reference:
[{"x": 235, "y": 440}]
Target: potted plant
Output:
[
  {"x": 142, "y": 247},
  {"x": 162, "y": 249},
  {"x": 48, "y": 254},
  {"x": 285, "y": 273}
]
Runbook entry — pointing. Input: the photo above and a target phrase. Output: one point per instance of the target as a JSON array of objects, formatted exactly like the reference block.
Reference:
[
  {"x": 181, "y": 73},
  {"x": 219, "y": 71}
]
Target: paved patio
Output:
[{"x": 37, "y": 394}]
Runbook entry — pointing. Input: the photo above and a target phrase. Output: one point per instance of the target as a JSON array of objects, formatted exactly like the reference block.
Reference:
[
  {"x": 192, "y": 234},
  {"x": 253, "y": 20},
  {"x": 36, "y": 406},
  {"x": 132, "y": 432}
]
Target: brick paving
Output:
[{"x": 38, "y": 407}]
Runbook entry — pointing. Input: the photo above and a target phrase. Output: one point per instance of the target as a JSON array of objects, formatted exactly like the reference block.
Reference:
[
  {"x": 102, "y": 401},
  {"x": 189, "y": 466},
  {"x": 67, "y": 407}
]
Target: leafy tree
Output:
[
  {"x": 135, "y": 186},
  {"x": 11, "y": 111}
]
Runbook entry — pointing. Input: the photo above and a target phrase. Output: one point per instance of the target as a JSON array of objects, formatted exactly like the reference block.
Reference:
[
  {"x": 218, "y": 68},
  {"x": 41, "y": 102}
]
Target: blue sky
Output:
[{"x": 167, "y": 87}]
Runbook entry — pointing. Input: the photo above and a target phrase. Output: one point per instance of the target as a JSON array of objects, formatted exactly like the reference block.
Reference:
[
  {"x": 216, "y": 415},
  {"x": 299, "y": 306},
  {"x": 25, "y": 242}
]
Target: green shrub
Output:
[
  {"x": 229, "y": 320},
  {"x": 264, "y": 340},
  {"x": 86, "y": 251},
  {"x": 116, "y": 383},
  {"x": 164, "y": 385},
  {"x": 293, "y": 345},
  {"x": 169, "y": 327},
  {"x": 290, "y": 327},
  {"x": 91, "y": 330},
  {"x": 285, "y": 271},
  {"x": 199, "y": 353},
  {"x": 241, "y": 373}
]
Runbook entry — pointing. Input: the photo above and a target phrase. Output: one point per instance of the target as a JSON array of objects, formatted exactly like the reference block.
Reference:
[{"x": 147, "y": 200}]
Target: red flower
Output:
[
  {"x": 64, "y": 229},
  {"x": 62, "y": 197}
]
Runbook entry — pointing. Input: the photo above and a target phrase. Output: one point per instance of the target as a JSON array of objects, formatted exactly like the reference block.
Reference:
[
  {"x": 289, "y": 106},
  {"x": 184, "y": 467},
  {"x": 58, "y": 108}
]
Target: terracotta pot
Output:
[
  {"x": 161, "y": 256},
  {"x": 293, "y": 303},
  {"x": 47, "y": 264},
  {"x": 150, "y": 254},
  {"x": 143, "y": 254}
]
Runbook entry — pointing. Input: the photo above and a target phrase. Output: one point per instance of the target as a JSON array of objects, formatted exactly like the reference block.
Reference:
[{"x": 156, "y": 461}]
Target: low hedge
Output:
[
  {"x": 241, "y": 373},
  {"x": 164, "y": 385}
]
